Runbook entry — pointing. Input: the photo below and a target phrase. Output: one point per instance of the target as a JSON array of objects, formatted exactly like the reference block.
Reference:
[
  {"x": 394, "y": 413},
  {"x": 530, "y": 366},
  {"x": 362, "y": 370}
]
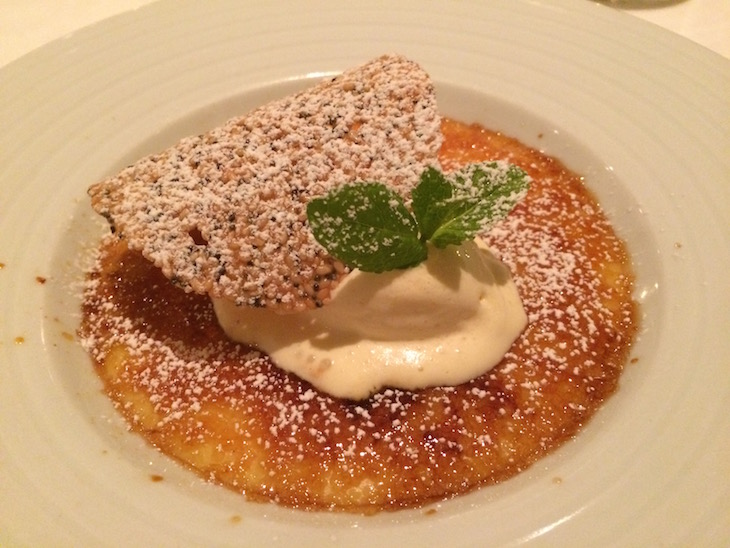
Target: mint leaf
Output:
[
  {"x": 432, "y": 190},
  {"x": 367, "y": 225},
  {"x": 455, "y": 208}
]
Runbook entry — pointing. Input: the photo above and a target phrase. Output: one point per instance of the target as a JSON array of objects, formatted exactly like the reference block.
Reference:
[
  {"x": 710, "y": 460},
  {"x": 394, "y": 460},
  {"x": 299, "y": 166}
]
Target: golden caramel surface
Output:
[{"x": 225, "y": 411}]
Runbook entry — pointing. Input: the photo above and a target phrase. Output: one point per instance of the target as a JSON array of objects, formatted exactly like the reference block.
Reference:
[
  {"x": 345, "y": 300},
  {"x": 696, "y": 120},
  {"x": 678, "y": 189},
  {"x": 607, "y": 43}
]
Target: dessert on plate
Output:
[{"x": 236, "y": 341}]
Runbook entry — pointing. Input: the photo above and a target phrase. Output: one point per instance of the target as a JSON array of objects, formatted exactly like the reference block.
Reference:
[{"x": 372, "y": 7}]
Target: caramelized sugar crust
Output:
[{"x": 229, "y": 414}]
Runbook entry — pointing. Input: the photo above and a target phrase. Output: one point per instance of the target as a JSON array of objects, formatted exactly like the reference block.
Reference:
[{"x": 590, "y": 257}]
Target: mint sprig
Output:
[{"x": 368, "y": 226}]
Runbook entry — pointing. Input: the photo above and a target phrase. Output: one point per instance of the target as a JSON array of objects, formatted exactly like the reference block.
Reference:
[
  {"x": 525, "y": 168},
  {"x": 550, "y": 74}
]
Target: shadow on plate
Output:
[{"x": 640, "y": 4}]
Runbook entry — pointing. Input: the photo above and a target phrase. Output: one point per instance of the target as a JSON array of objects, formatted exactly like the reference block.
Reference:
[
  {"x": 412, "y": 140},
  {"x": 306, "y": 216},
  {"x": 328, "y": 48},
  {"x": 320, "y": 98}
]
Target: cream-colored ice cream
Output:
[{"x": 443, "y": 322}]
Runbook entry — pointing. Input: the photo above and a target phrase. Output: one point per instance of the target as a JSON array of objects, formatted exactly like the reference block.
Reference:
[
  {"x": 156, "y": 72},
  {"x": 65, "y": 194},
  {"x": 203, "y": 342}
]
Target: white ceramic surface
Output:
[
  {"x": 648, "y": 126},
  {"x": 28, "y": 24}
]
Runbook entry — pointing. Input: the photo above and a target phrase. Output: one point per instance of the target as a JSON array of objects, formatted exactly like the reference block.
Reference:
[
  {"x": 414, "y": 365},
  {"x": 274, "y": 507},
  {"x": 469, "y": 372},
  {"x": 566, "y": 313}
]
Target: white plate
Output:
[{"x": 642, "y": 113}]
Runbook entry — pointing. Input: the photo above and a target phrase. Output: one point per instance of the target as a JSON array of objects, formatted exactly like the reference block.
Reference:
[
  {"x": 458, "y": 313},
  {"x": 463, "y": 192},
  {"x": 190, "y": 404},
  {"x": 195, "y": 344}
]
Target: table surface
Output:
[{"x": 29, "y": 24}]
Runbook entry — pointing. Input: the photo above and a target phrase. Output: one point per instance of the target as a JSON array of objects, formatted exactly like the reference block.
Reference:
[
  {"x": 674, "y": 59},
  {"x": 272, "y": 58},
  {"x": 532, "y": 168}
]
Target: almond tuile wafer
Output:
[{"x": 224, "y": 213}]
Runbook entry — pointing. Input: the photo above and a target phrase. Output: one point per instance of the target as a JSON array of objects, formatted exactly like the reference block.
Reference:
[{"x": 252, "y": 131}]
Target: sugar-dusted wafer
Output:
[{"x": 224, "y": 213}]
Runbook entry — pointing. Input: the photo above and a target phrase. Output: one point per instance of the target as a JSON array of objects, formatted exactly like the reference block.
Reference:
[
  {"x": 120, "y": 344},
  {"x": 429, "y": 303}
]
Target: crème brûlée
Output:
[{"x": 228, "y": 412}]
